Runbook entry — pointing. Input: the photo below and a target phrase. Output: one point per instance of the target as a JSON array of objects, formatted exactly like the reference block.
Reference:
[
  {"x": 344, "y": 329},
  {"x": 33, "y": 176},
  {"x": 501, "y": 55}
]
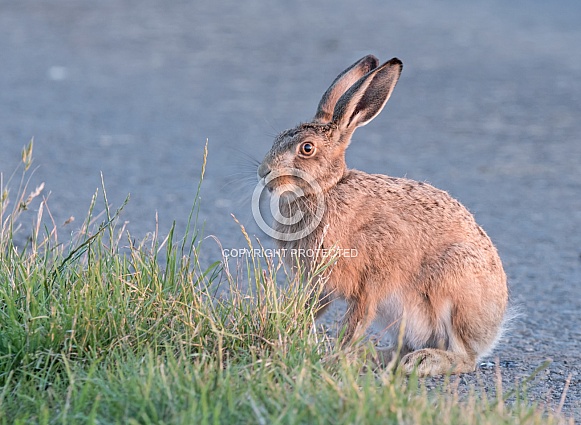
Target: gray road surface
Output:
[{"x": 488, "y": 108}]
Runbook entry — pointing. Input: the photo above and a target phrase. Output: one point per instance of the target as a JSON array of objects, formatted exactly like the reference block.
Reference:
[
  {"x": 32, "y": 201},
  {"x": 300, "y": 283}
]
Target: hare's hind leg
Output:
[
  {"x": 468, "y": 289},
  {"x": 433, "y": 361}
]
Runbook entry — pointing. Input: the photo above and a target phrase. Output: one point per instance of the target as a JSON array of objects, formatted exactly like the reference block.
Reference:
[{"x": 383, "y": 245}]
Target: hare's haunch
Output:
[{"x": 420, "y": 257}]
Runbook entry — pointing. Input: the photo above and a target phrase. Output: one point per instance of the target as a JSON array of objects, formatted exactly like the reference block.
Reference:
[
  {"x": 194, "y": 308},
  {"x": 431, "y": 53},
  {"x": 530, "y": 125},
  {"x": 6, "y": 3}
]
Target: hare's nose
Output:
[{"x": 263, "y": 171}]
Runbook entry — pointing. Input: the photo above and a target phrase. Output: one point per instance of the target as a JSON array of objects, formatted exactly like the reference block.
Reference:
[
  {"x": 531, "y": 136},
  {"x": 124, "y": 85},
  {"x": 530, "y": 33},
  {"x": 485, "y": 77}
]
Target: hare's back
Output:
[{"x": 431, "y": 211}]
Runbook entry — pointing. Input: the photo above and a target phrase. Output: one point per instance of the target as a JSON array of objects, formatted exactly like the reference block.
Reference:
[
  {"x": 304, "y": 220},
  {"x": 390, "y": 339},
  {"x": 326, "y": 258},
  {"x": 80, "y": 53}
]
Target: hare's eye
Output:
[{"x": 307, "y": 149}]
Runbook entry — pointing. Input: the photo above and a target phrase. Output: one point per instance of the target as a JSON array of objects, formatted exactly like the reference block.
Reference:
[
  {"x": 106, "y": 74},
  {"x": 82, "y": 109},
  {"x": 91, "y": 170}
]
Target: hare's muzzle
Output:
[{"x": 263, "y": 171}]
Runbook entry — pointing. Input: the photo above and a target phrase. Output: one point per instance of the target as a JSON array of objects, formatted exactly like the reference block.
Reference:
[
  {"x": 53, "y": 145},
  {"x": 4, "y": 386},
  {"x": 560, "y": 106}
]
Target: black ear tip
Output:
[
  {"x": 395, "y": 61},
  {"x": 371, "y": 61}
]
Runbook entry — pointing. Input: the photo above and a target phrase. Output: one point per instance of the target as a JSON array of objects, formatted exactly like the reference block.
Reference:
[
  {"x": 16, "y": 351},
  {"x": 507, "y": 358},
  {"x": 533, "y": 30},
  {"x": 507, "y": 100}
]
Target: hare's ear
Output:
[
  {"x": 367, "y": 97},
  {"x": 341, "y": 84}
]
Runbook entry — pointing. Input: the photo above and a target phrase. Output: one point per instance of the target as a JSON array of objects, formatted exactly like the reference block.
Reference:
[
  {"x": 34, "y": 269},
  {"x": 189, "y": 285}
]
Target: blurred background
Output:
[{"x": 487, "y": 108}]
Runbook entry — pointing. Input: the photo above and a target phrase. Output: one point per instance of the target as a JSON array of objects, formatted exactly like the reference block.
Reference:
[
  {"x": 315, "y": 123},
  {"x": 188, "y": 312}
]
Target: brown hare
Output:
[{"x": 416, "y": 253}]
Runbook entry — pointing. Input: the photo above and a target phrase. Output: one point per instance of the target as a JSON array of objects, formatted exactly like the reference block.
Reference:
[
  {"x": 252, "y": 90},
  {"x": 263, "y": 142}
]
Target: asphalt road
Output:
[{"x": 488, "y": 108}]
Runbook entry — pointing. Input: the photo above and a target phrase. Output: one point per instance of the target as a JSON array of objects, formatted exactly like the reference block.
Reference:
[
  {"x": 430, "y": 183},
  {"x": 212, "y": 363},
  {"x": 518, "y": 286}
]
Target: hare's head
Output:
[{"x": 315, "y": 151}]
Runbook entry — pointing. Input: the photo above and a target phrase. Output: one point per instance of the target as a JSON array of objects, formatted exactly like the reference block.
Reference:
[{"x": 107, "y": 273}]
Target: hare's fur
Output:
[{"x": 420, "y": 255}]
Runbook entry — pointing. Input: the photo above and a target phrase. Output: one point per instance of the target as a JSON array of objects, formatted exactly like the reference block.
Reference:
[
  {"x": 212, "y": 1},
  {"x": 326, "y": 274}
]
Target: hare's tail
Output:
[{"x": 514, "y": 311}]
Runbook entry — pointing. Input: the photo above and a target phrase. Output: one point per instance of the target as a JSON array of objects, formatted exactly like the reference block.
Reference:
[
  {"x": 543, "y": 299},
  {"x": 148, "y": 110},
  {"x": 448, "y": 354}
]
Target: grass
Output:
[{"x": 100, "y": 330}]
